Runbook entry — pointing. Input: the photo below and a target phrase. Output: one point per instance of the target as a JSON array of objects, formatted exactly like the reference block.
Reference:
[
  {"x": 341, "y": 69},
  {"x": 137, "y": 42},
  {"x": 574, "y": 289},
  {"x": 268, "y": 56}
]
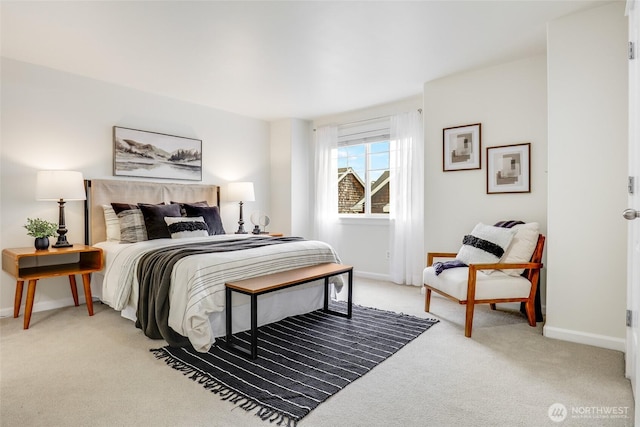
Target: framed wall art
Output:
[
  {"x": 461, "y": 147},
  {"x": 509, "y": 169},
  {"x": 156, "y": 155}
]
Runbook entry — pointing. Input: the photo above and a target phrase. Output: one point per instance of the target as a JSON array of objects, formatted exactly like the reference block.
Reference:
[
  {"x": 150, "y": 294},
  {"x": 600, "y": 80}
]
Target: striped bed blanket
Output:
[
  {"x": 178, "y": 286},
  {"x": 154, "y": 281}
]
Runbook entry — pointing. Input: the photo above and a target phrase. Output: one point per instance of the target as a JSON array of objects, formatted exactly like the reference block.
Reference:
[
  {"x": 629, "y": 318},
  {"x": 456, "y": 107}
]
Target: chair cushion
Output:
[
  {"x": 485, "y": 244},
  {"x": 497, "y": 285}
]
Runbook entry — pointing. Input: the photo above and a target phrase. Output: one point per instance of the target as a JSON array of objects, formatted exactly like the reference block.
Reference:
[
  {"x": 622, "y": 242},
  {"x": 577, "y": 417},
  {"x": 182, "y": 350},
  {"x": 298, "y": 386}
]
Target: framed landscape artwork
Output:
[
  {"x": 156, "y": 155},
  {"x": 509, "y": 169},
  {"x": 461, "y": 147}
]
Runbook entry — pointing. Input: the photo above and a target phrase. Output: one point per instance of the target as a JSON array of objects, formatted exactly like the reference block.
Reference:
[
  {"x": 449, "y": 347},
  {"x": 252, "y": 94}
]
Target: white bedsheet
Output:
[{"x": 196, "y": 295}]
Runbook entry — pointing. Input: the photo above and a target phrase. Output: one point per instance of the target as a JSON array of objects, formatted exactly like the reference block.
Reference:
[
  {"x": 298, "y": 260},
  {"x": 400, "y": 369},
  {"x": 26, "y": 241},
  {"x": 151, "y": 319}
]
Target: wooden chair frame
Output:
[{"x": 532, "y": 273}]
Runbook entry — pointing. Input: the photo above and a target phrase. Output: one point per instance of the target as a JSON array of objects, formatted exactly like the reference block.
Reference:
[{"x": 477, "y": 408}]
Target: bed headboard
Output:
[{"x": 103, "y": 192}]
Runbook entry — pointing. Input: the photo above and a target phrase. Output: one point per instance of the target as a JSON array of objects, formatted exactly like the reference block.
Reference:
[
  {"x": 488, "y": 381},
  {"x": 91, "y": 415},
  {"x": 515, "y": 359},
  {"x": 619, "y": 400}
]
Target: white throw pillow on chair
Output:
[
  {"x": 522, "y": 246},
  {"x": 485, "y": 244}
]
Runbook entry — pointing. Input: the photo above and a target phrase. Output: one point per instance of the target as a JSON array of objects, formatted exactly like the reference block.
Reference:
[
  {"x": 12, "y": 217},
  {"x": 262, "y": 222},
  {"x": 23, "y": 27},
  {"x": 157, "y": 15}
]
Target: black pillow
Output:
[
  {"x": 211, "y": 216},
  {"x": 182, "y": 205},
  {"x": 154, "y": 219},
  {"x": 119, "y": 207}
]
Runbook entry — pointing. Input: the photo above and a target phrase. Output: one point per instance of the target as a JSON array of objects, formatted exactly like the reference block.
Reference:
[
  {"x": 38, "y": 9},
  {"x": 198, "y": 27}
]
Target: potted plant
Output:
[{"x": 41, "y": 230}]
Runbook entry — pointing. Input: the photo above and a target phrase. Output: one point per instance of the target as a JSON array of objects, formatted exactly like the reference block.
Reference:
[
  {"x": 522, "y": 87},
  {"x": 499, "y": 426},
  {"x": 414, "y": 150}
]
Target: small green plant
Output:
[{"x": 40, "y": 228}]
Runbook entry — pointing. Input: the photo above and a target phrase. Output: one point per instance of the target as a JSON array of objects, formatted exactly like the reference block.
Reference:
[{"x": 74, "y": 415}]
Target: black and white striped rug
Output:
[{"x": 302, "y": 360}]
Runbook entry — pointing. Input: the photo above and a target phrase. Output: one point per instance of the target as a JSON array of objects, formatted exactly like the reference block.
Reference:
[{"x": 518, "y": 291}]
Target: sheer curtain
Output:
[
  {"x": 407, "y": 199},
  {"x": 326, "y": 184}
]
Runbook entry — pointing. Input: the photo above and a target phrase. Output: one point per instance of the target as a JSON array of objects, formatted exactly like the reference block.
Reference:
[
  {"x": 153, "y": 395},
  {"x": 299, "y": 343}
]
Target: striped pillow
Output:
[
  {"x": 132, "y": 228},
  {"x": 485, "y": 244}
]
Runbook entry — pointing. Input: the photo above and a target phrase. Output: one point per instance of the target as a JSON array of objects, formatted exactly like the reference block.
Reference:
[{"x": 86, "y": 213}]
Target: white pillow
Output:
[
  {"x": 112, "y": 224},
  {"x": 522, "y": 246},
  {"x": 485, "y": 244},
  {"x": 181, "y": 227}
]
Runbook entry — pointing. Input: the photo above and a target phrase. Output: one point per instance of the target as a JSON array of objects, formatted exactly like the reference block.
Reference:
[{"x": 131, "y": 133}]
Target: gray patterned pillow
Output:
[{"x": 132, "y": 228}]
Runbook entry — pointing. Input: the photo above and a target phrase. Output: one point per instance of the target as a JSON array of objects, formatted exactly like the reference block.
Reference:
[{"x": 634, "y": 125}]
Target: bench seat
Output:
[{"x": 272, "y": 282}]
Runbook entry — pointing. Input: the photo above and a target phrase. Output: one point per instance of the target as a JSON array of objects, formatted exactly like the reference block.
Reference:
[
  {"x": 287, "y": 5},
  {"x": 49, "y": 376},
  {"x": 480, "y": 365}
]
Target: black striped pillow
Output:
[{"x": 485, "y": 244}]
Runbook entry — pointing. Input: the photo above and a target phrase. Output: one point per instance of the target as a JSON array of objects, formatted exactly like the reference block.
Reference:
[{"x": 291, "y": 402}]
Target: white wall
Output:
[
  {"x": 280, "y": 213},
  {"x": 56, "y": 120},
  {"x": 291, "y": 166},
  {"x": 364, "y": 243},
  {"x": 510, "y": 102},
  {"x": 586, "y": 279},
  {"x": 301, "y": 165}
]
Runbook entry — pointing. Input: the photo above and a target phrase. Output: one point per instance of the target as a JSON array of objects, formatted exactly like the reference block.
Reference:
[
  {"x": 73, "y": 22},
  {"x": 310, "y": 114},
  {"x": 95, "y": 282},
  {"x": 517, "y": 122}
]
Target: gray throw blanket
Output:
[
  {"x": 439, "y": 266},
  {"x": 154, "y": 277}
]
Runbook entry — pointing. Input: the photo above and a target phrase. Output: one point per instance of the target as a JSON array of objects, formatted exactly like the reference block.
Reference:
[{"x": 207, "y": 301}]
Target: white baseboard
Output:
[
  {"x": 67, "y": 302},
  {"x": 595, "y": 340},
  {"x": 373, "y": 276},
  {"x": 378, "y": 276},
  {"x": 44, "y": 306}
]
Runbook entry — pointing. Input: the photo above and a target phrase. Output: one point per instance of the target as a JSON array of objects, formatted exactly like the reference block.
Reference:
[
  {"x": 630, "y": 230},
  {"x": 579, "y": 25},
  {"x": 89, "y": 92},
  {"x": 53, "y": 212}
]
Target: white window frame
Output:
[{"x": 365, "y": 133}]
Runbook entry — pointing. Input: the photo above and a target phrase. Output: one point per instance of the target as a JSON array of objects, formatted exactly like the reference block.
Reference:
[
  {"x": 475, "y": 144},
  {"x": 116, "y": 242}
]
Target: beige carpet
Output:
[{"x": 69, "y": 369}]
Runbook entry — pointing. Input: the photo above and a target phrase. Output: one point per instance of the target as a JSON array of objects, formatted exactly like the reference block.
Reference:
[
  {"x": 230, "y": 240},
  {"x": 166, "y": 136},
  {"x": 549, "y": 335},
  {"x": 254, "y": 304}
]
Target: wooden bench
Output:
[{"x": 272, "y": 282}]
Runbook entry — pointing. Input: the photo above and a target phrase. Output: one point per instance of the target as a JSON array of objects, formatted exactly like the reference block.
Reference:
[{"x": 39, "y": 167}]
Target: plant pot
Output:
[{"x": 42, "y": 243}]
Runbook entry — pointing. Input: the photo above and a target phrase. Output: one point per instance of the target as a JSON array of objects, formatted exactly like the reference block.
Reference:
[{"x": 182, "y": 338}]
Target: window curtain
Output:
[
  {"x": 407, "y": 199},
  {"x": 326, "y": 184}
]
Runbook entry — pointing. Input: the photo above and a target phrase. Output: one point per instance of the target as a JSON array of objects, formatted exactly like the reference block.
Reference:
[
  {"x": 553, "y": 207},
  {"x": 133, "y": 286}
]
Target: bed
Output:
[{"x": 190, "y": 303}]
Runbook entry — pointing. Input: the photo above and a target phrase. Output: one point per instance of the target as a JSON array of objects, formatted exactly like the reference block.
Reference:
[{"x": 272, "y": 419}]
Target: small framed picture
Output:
[
  {"x": 509, "y": 169},
  {"x": 461, "y": 148}
]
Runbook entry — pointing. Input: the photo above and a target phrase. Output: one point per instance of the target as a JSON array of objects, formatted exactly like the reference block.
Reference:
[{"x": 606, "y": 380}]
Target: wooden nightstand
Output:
[{"x": 29, "y": 264}]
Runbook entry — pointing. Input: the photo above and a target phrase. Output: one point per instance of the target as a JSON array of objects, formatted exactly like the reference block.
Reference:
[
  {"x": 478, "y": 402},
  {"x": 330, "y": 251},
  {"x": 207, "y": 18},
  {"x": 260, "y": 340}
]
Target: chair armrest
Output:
[
  {"x": 432, "y": 255},
  {"x": 506, "y": 266}
]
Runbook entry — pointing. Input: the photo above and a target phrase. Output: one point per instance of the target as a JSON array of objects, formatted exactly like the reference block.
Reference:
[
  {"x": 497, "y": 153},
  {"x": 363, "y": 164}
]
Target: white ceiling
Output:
[{"x": 272, "y": 60}]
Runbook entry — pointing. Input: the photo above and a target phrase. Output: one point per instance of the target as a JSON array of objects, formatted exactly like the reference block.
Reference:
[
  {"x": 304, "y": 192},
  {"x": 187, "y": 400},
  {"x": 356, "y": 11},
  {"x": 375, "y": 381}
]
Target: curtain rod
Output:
[
  {"x": 371, "y": 119},
  {"x": 364, "y": 120}
]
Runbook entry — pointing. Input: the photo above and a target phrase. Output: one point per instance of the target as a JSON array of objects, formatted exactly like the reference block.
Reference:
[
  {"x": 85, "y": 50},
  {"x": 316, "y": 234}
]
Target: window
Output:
[{"x": 363, "y": 168}]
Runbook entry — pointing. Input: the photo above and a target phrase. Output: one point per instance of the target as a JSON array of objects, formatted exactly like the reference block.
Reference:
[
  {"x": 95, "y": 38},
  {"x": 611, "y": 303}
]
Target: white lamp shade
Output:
[
  {"x": 240, "y": 192},
  {"x": 56, "y": 185}
]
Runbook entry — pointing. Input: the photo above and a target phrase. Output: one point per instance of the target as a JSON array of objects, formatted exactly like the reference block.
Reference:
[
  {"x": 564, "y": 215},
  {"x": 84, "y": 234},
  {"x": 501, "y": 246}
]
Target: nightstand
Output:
[{"x": 29, "y": 264}]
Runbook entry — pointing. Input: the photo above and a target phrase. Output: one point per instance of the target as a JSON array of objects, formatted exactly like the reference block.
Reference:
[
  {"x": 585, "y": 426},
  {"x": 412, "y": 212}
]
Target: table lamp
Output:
[
  {"x": 240, "y": 192},
  {"x": 60, "y": 186}
]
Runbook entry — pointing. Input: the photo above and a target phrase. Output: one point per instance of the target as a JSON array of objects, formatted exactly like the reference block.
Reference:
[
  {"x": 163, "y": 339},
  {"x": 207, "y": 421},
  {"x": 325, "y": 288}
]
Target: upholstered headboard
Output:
[{"x": 103, "y": 192}]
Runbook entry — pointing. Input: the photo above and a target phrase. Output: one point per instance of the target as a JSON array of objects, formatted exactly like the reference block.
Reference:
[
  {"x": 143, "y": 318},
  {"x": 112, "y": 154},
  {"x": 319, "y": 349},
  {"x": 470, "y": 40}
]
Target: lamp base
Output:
[
  {"x": 62, "y": 242},
  {"x": 241, "y": 229},
  {"x": 62, "y": 245},
  {"x": 62, "y": 229}
]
